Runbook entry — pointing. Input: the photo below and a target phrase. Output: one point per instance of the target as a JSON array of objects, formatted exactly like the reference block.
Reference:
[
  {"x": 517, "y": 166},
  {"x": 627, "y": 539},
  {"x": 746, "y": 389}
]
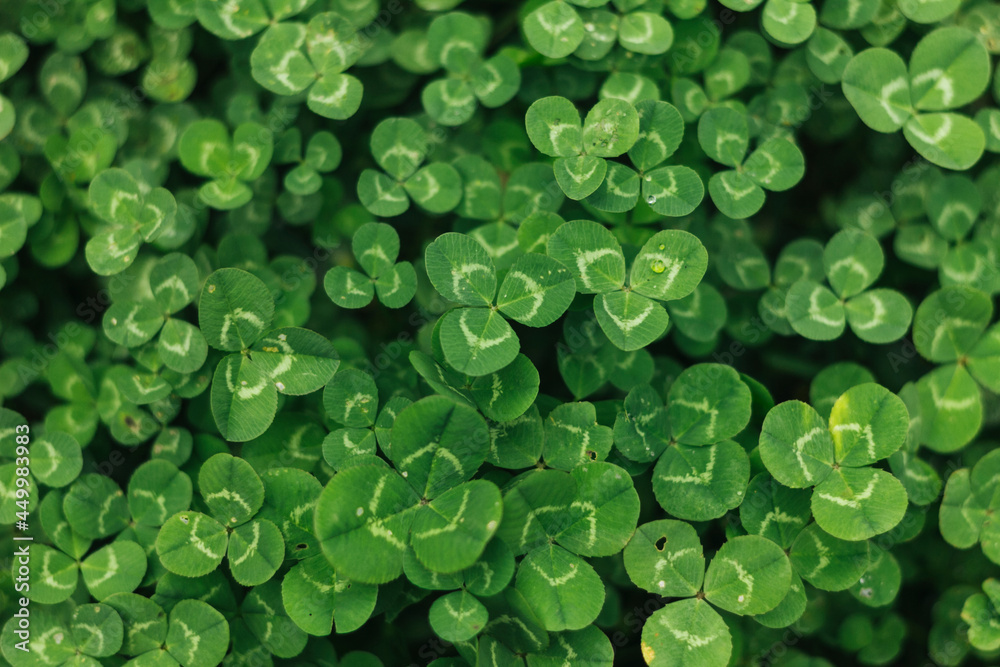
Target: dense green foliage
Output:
[{"x": 489, "y": 333}]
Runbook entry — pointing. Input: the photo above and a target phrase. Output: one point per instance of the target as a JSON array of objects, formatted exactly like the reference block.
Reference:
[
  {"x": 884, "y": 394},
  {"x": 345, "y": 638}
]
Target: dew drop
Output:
[
  {"x": 658, "y": 267},
  {"x": 280, "y": 386},
  {"x": 740, "y": 598},
  {"x": 184, "y": 519},
  {"x": 866, "y": 592},
  {"x": 282, "y": 337},
  {"x": 648, "y": 178},
  {"x": 406, "y": 474},
  {"x": 243, "y": 382},
  {"x": 651, "y": 199},
  {"x": 114, "y": 321},
  {"x": 589, "y": 27},
  {"x": 360, "y": 511},
  {"x": 492, "y": 525},
  {"x": 661, "y": 583},
  {"x": 211, "y": 289},
  {"x": 662, "y": 247},
  {"x": 861, "y": 580},
  {"x": 58, "y": 637},
  {"x": 233, "y": 519}
]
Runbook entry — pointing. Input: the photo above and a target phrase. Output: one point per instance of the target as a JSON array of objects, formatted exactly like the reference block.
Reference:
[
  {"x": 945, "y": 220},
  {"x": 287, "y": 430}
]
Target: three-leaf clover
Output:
[
  {"x": 852, "y": 261},
  {"x": 293, "y": 57},
  {"x": 235, "y": 313},
  {"x": 776, "y": 164},
  {"x": 556, "y": 29},
  {"x": 173, "y": 282},
  {"x": 673, "y": 190},
  {"x": 457, "y": 42},
  {"x": 233, "y": 163},
  {"x": 668, "y": 267},
  {"x": 376, "y": 247},
  {"x": 322, "y": 155},
  {"x": 351, "y": 400},
  {"x": 948, "y": 69},
  {"x": 953, "y": 205},
  {"x": 476, "y": 339},
  {"x": 193, "y": 544},
  {"x": 400, "y": 146},
  {"x": 134, "y": 213},
  {"x": 748, "y": 575},
  {"x": 580, "y": 149},
  {"x": 851, "y": 500}
]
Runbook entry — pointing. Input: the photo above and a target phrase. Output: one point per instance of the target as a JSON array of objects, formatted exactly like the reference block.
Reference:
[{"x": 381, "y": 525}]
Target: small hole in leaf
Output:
[
  {"x": 592, "y": 455},
  {"x": 301, "y": 546},
  {"x": 660, "y": 543}
]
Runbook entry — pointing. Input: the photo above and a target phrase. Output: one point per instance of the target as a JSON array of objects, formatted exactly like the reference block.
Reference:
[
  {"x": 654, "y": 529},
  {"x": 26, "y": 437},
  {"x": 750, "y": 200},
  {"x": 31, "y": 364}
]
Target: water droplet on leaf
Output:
[{"x": 658, "y": 267}]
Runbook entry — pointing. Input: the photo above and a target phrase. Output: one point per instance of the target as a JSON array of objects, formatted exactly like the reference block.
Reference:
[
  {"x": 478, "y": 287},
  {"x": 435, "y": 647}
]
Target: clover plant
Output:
[{"x": 458, "y": 333}]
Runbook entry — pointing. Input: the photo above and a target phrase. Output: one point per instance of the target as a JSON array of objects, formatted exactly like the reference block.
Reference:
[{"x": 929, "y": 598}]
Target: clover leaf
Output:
[
  {"x": 238, "y": 22},
  {"x": 968, "y": 506},
  {"x": 668, "y": 267},
  {"x": 457, "y": 42},
  {"x": 293, "y": 57},
  {"x": 776, "y": 164},
  {"x": 610, "y": 129},
  {"x": 231, "y": 162},
  {"x": 134, "y": 214},
  {"x": 852, "y": 260},
  {"x": 556, "y": 29},
  {"x": 322, "y": 155},
  {"x": 748, "y": 575},
  {"x": 376, "y": 248},
  {"x": 235, "y": 311},
  {"x": 851, "y": 500},
  {"x": 953, "y": 205},
  {"x": 476, "y": 339},
  {"x": 400, "y": 146},
  {"x": 952, "y": 325},
  {"x": 948, "y": 68},
  {"x": 980, "y": 612},
  {"x": 181, "y": 346}
]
